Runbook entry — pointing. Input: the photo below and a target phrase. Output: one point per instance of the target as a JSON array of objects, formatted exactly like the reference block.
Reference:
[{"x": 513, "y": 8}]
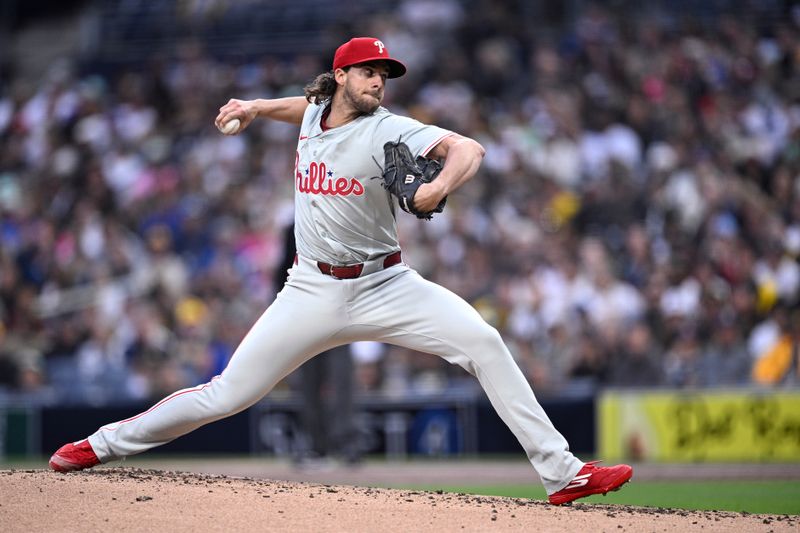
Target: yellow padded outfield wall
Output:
[{"x": 678, "y": 426}]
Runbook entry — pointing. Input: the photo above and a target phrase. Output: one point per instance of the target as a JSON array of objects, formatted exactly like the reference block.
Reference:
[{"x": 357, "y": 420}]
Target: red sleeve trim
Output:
[{"x": 434, "y": 143}]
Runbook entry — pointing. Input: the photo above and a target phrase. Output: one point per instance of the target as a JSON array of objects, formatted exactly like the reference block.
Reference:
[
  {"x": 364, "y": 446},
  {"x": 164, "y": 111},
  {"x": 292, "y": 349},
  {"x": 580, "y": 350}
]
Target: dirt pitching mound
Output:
[{"x": 126, "y": 499}]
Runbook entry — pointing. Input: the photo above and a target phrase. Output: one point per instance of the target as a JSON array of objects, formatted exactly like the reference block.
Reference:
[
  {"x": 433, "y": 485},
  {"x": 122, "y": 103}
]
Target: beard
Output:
[{"x": 362, "y": 103}]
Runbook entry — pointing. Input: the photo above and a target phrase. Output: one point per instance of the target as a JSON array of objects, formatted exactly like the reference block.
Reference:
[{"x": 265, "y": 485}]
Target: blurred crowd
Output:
[{"x": 635, "y": 223}]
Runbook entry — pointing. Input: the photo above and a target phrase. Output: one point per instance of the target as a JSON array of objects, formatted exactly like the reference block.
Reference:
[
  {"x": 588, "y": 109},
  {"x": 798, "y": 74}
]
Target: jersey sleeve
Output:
[
  {"x": 420, "y": 138},
  {"x": 311, "y": 119}
]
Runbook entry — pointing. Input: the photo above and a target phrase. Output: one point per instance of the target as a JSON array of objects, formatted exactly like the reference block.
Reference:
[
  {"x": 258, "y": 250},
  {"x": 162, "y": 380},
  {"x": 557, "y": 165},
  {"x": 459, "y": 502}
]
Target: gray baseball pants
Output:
[{"x": 315, "y": 312}]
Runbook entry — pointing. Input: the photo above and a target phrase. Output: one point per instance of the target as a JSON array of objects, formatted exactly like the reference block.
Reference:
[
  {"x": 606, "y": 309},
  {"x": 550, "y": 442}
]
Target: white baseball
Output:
[{"x": 231, "y": 127}]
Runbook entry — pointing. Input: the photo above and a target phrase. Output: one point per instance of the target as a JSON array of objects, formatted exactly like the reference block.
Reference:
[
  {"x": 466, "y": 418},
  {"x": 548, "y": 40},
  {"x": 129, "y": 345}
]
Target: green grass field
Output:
[{"x": 767, "y": 497}]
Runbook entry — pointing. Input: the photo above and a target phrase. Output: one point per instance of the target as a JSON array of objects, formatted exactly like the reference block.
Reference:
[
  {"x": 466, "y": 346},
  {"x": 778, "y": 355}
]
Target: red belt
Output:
[{"x": 354, "y": 271}]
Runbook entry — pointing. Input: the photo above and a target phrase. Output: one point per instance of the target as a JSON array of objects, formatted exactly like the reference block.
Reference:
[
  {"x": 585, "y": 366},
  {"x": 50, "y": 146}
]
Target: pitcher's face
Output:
[{"x": 364, "y": 85}]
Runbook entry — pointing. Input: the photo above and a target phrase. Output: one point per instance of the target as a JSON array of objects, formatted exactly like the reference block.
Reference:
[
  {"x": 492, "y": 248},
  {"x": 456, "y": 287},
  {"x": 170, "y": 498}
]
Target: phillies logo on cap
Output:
[{"x": 363, "y": 50}]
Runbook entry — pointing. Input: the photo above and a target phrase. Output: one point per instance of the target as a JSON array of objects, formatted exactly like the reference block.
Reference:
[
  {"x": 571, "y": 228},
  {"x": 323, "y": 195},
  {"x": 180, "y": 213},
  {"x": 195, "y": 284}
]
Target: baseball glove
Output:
[{"x": 403, "y": 175}]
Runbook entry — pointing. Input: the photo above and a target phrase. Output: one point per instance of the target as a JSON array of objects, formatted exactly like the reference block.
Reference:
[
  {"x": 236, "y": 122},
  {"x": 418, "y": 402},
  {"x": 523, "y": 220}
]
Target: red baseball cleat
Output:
[
  {"x": 593, "y": 479},
  {"x": 74, "y": 456}
]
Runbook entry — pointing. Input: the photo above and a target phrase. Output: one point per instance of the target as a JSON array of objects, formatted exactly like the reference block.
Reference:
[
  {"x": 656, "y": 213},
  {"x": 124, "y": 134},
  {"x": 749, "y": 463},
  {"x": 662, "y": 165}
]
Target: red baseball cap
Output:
[{"x": 364, "y": 49}]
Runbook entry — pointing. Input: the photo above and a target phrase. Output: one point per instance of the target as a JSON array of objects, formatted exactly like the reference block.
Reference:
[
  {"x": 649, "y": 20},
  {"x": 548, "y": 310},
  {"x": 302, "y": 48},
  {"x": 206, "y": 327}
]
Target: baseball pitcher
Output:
[{"x": 349, "y": 281}]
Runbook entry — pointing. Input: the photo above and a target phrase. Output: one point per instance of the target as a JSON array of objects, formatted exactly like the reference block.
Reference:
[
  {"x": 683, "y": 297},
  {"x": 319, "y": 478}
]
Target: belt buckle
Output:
[{"x": 333, "y": 272}]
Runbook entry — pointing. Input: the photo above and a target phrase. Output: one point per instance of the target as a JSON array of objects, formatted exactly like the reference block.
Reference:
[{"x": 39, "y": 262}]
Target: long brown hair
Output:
[{"x": 321, "y": 89}]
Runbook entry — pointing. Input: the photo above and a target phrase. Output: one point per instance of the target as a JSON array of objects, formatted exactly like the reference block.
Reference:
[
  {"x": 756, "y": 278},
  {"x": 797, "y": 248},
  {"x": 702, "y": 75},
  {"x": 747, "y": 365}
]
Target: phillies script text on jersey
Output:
[{"x": 319, "y": 181}]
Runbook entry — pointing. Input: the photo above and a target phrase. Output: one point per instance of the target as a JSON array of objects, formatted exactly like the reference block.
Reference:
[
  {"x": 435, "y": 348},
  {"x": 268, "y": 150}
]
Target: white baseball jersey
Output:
[{"x": 343, "y": 214}]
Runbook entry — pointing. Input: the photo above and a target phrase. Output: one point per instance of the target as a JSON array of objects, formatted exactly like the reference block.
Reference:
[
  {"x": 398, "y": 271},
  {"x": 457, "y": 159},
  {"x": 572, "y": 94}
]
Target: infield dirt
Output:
[{"x": 130, "y": 499}]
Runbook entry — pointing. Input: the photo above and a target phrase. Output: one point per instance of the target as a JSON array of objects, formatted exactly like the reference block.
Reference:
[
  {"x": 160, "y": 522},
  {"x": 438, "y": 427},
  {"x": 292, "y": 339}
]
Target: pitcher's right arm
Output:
[{"x": 289, "y": 109}]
